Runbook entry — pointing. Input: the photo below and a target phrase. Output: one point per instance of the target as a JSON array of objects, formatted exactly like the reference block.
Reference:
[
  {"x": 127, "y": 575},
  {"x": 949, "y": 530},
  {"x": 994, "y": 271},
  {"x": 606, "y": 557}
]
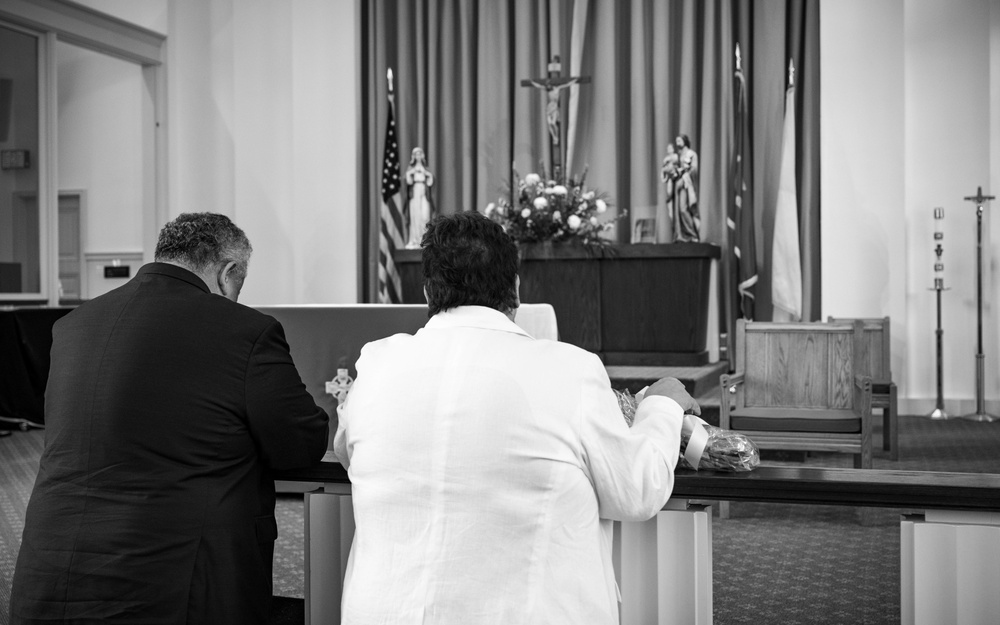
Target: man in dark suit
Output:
[{"x": 167, "y": 406}]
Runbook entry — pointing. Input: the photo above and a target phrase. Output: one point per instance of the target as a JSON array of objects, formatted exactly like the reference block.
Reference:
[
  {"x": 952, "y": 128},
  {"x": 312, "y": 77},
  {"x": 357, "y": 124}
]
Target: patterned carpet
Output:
[
  {"x": 773, "y": 563},
  {"x": 19, "y": 454},
  {"x": 780, "y": 563}
]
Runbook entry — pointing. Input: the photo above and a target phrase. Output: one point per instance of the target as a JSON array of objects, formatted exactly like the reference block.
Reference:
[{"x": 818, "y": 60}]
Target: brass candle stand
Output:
[{"x": 939, "y": 411}]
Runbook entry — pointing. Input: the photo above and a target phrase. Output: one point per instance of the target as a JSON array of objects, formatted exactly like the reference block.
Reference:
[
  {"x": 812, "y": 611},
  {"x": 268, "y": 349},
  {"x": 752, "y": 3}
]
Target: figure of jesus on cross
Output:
[{"x": 553, "y": 85}]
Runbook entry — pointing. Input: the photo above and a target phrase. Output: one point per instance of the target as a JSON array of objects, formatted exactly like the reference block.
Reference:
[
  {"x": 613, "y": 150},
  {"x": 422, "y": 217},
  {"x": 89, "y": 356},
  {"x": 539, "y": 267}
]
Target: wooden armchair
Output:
[
  {"x": 876, "y": 362},
  {"x": 797, "y": 387}
]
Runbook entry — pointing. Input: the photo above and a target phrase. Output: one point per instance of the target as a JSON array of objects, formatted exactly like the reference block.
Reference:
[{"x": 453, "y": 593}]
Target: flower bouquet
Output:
[{"x": 552, "y": 210}]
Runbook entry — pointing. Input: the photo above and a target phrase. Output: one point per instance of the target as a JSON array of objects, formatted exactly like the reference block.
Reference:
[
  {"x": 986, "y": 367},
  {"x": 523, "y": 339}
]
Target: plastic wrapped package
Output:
[
  {"x": 703, "y": 446},
  {"x": 627, "y": 404},
  {"x": 725, "y": 450}
]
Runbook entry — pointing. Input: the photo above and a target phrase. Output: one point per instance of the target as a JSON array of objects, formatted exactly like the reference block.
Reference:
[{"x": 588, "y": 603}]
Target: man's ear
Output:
[{"x": 228, "y": 282}]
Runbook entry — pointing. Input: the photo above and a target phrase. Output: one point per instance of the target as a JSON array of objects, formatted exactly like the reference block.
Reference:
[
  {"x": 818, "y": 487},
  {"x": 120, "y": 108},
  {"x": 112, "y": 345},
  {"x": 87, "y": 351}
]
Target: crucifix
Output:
[
  {"x": 980, "y": 414},
  {"x": 553, "y": 84}
]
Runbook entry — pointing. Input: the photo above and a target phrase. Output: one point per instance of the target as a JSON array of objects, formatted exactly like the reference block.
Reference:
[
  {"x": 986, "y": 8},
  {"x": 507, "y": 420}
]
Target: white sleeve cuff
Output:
[{"x": 657, "y": 404}]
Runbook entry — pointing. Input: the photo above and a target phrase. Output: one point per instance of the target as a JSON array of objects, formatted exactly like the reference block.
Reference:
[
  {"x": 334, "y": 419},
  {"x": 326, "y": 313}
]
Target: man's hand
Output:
[{"x": 672, "y": 388}]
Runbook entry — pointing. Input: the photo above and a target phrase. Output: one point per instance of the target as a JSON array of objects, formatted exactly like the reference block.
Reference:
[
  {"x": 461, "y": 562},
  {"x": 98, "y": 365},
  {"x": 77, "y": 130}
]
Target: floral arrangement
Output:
[{"x": 552, "y": 210}]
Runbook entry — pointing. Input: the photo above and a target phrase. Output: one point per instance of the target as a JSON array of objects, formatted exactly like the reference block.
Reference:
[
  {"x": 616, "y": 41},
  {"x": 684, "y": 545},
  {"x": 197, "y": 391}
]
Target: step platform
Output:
[{"x": 702, "y": 382}]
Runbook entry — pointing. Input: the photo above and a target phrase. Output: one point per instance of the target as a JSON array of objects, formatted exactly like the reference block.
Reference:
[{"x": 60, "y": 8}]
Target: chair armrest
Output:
[
  {"x": 727, "y": 380},
  {"x": 863, "y": 396},
  {"x": 863, "y": 408},
  {"x": 728, "y": 384}
]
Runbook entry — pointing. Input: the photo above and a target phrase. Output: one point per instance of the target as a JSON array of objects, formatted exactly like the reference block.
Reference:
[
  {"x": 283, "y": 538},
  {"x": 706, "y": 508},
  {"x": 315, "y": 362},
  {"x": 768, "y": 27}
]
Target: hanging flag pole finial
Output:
[
  {"x": 739, "y": 65},
  {"x": 388, "y": 77},
  {"x": 791, "y": 72}
]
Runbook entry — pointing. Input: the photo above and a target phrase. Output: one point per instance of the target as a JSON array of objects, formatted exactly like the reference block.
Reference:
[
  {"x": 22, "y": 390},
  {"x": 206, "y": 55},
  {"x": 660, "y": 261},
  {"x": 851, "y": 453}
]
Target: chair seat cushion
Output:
[{"x": 795, "y": 420}]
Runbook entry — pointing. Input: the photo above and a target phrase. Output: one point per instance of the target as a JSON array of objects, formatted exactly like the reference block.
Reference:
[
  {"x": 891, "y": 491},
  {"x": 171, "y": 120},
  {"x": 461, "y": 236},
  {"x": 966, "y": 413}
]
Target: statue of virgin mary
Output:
[{"x": 419, "y": 181}]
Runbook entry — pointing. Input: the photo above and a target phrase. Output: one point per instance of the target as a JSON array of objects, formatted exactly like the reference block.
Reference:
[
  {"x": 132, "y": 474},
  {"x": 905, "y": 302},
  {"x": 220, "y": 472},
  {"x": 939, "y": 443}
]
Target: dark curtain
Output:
[{"x": 657, "y": 69}]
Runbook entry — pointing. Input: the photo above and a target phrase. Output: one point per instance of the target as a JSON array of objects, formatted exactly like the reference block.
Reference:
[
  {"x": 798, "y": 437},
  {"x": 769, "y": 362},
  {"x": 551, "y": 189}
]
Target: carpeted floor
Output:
[
  {"x": 773, "y": 563},
  {"x": 780, "y": 563}
]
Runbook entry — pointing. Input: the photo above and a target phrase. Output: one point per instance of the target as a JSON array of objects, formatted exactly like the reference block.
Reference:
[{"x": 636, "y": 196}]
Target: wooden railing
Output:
[{"x": 802, "y": 485}]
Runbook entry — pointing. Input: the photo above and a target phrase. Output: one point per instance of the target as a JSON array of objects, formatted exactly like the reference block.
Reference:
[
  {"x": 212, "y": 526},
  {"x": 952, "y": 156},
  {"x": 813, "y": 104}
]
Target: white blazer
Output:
[{"x": 487, "y": 468}]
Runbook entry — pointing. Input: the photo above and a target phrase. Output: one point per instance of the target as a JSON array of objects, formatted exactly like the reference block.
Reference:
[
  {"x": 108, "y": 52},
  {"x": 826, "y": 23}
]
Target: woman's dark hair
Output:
[
  {"x": 469, "y": 261},
  {"x": 202, "y": 241}
]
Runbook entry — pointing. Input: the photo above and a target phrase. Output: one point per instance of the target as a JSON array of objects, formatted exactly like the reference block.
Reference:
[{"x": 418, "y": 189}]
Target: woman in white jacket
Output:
[{"x": 487, "y": 466}]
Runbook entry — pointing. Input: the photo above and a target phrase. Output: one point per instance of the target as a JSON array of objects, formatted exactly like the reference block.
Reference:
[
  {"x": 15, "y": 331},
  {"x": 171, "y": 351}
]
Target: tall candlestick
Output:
[
  {"x": 939, "y": 411},
  {"x": 938, "y": 249},
  {"x": 980, "y": 414}
]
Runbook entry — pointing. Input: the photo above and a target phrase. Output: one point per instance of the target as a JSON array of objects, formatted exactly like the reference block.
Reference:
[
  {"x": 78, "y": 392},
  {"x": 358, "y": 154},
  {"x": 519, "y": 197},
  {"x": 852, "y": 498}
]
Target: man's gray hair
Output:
[{"x": 202, "y": 241}]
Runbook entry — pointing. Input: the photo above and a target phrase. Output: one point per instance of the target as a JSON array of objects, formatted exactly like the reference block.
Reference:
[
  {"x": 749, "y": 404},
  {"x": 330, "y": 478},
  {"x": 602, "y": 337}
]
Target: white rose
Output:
[
  {"x": 556, "y": 216},
  {"x": 559, "y": 190},
  {"x": 532, "y": 179},
  {"x": 540, "y": 203},
  {"x": 525, "y": 213},
  {"x": 573, "y": 222},
  {"x": 489, "y": 209},
  {"x": 589, "y": 195},
  {"x": 593, "y": 221},
  {"x": 601, "y": 206}
]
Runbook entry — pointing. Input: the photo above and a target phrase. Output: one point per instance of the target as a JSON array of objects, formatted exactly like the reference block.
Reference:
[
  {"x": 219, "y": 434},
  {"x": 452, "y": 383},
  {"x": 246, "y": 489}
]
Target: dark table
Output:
[{"x": 25, "y": 341}]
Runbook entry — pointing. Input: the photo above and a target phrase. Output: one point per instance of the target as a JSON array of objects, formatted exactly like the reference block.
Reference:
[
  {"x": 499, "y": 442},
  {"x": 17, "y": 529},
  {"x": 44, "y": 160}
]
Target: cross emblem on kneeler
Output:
[{"x": 340, "y": 385}]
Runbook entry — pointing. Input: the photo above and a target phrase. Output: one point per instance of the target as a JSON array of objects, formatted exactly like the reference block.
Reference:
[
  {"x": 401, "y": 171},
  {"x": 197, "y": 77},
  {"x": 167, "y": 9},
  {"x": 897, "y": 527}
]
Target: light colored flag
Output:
[
  {"x": 390, "y": 237},
  {"x": 786, "y": 263}
]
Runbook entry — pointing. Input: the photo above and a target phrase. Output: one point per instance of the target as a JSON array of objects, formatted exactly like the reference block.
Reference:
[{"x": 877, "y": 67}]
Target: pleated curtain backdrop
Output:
[{"x": 657, "y": 69}]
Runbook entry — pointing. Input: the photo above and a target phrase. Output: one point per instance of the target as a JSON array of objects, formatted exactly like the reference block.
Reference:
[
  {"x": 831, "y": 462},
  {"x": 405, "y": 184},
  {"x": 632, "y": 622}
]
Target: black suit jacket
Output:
[{"x": 166, "y": 408}]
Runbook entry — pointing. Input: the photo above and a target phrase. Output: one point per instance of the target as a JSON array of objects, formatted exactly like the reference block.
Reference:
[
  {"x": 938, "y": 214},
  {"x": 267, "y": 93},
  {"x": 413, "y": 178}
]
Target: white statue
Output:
[{"x": 419, "y": 181}]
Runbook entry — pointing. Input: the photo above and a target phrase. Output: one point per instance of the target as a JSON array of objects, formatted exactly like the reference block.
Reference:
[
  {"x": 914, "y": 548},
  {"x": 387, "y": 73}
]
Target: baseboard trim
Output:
[{"x": 952, "y": 407}]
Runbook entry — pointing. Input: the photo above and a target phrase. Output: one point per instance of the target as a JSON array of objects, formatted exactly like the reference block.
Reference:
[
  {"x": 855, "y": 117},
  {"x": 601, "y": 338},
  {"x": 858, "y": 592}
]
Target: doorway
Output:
[{"x": 97, "y": 91}]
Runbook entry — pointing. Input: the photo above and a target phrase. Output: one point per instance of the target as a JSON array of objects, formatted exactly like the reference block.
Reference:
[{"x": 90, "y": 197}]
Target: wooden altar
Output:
[{"x": 633, "y": 304}]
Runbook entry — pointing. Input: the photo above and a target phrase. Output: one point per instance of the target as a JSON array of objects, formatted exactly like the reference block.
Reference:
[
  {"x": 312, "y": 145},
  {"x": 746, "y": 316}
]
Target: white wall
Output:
[
  {"x": 906, "y": 128},
  {"x": 993, "y": 188},
  {"x": 862, "y": 175},
  {"x": 149, "y": 14},
  {"x": 100, "y": 145},
  {"x": 261, "y": 126}
]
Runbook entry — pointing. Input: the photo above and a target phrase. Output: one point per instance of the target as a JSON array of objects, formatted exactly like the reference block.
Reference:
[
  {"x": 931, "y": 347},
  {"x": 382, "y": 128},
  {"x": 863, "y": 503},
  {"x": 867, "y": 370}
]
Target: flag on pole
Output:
[
  {"x": 577, "y": 46},
  {"x": 786, "y": 264},
  {"x": 390, "y": 289},
  {"x": 741, "y": 222}
]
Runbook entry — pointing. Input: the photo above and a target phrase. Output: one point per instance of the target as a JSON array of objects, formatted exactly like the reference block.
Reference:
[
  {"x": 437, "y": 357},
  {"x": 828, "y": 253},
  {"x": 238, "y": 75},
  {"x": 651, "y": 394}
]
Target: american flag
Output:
[
  {"x": 741, "y": 219},
  {"x": 391, "y": 231}
]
